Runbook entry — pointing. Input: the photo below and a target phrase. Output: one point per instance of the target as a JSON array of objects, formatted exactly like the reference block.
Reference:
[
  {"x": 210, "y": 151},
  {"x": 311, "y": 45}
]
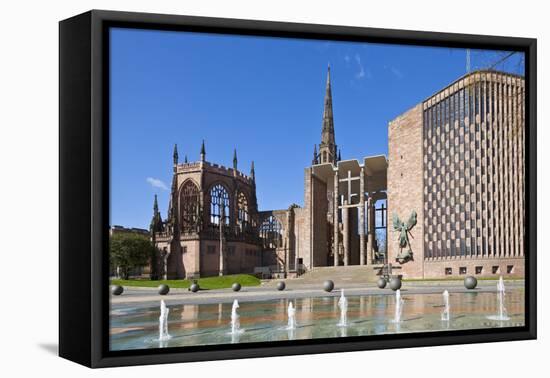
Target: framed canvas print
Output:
[{"x": 234, "y": 188}]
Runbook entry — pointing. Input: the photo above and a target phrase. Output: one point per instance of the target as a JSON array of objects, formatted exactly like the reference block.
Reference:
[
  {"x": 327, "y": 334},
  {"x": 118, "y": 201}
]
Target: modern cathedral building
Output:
[{"x": 455, "y": 160}]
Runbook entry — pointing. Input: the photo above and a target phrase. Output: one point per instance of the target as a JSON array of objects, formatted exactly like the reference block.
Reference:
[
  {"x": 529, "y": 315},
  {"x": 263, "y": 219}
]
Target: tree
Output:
[{"x": 129, "y": 251}]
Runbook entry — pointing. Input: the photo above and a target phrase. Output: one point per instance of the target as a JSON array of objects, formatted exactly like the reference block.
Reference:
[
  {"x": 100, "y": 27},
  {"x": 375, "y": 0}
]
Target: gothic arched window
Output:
[
  {"x": 190, "y": 207},
  {"x": 242, "y": 211},
  {"x": 219, "y": 205},
  {"x": 271, "y": 232}
]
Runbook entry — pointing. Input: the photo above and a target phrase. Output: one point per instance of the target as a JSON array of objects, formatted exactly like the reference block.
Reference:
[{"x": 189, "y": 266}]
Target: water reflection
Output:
[{"x": 134, "y": 328}]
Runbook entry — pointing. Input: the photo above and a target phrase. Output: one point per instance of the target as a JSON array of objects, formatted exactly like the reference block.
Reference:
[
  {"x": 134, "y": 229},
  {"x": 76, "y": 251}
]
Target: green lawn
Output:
[{"x": 204, "y": 283}]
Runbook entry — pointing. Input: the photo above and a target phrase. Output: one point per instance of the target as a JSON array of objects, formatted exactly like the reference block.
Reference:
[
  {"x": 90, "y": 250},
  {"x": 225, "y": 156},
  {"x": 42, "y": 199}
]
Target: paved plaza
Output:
[{"x": 146, "y": 297}]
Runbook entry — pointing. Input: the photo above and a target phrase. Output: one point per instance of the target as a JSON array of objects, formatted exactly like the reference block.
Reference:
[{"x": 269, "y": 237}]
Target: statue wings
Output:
[
  {"x": 398, "y": 224},
  {"x": 411, "y": 222}
]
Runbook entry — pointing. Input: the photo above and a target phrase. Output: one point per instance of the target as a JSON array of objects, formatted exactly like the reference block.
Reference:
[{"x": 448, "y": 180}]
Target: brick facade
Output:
[
  {"x": 405, "y": 186},
  {"x": 464, "y": 147},
  {"x": 189, "y": 240}
]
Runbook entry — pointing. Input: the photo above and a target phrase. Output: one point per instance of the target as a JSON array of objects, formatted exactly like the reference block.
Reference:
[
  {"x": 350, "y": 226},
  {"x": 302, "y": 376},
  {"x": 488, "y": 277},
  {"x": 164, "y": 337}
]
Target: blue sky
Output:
[{"x": 261, "y": 95}]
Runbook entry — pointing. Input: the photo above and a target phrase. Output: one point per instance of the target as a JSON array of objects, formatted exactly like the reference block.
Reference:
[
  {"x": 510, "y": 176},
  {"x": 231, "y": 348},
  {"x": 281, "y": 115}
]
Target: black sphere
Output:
[
  {"x": 281, "y": 285},
  {"x": 236, "y": 286},
  {"x": 194, "y": 287},
  {"x": 470, "y": 282},
  {"x": 381, "y": 283},
  {"x": 395, "y": 283},
  {"x": 328, "y": 285},
  {"x": 117, "y": 289},
  {"x": 163, "y": 289}
]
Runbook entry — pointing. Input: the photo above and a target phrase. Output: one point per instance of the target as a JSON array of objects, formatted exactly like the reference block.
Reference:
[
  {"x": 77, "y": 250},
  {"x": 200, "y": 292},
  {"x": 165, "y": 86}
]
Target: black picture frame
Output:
[{"x": 84, "y": 187}]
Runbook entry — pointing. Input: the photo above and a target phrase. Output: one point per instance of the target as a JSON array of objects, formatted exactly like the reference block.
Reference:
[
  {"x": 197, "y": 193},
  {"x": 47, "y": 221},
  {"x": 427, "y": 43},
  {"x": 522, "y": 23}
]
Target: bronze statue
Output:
[{"x": 404, "y": 230}]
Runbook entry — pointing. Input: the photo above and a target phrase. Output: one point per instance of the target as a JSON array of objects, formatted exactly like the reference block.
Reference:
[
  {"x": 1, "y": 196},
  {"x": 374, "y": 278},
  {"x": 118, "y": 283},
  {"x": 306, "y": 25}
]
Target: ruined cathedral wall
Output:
[
  {"x": 199, "y": 256},
  {"x": 275, "y": 257},
  {"x": 190, "y": 253},
  {"x": 281, "y": 251},
  {"x": 242, "y": 257},
  {"x": 189, "y": 171},
  {"x": 405, "y": 187},
  {"x": 209, "y": 258},
  {"x": 215, "y": 174},
  {"x": 176, "y": 268}
]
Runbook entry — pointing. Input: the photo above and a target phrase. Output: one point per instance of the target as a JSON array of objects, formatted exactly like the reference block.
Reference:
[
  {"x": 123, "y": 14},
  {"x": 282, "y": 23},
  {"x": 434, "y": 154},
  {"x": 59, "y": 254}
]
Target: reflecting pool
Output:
[{"x": 192, "y": 324}]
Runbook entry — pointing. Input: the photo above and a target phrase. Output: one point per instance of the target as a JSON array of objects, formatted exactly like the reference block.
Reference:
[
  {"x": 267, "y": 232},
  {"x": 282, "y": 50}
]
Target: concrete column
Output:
[
  {"x": 362, "y": 218},
  {"x": 289, "y": 239},
  {"x": 165, "y": 265},
  {"x": 202, "y": 224},
  {"x": 222, "y": 263},
  {"x": 222, "y": 247},
  {"x": 336, "y": 242},
  {"x": 370, "y": 209},
  {"x": 345, "y": 232},
  {"x": 234, "y": 214},
  {"x": 287, "y": 256}
]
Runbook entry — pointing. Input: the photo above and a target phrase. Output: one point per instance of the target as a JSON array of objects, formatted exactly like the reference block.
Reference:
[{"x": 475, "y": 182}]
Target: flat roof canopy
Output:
[{"x": 376, "y": 168}]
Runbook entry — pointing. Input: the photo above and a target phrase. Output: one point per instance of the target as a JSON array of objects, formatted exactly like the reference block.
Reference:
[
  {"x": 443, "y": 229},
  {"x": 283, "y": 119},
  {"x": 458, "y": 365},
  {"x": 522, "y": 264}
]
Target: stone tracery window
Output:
[
  {"x": 242, "y": 211},
  {"x": 271, "y": 232},
  {"x": 190, "y": 207},
  {"x": 219, "y": 205}
]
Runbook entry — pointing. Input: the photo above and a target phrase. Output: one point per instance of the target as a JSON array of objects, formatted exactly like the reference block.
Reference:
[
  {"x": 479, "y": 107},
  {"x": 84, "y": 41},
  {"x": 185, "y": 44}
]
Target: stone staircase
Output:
[{"x": 342, "y": 274}]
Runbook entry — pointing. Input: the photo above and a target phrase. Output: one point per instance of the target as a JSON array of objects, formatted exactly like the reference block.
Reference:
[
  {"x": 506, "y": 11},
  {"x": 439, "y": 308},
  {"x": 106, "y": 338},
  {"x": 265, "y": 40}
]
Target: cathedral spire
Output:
[
  {"x": 328, "y": 122},
  {"x": 175, "y": 156},
  {"x": 252, "y": 172},
  {"x": 155, "y": 207},
  {"x": 235, "y": 159},
  {"x": 203, "y": 151},
  {"x": 327, "y": 148},
  {"x": 156, "y": 221}
]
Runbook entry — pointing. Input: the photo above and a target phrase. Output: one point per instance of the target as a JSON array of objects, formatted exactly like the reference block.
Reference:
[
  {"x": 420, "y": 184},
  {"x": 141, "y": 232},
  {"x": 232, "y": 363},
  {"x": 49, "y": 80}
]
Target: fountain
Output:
[
  {"x": 343, "y": 304},
  {"x": 163, "y": 322},
  {"x": 398, "y": 306},
  {"x": 446, "y": 314},
  {"x": 137, "y": 327},
  {"x": 343, "y": 331},
  {"x": 235, "y": 323},
  {"x": 291, "y": 317},
  {"x": 502, "y": 313}
]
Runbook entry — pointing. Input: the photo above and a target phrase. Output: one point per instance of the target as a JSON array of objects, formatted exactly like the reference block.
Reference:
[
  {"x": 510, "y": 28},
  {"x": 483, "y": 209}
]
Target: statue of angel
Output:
[{"x": 404, "y": 230}]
